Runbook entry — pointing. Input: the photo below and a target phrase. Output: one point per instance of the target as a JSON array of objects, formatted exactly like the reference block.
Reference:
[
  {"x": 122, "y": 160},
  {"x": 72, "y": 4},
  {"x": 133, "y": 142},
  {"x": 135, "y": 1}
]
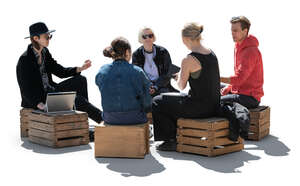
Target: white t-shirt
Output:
[{"x": 150, "y": 67}]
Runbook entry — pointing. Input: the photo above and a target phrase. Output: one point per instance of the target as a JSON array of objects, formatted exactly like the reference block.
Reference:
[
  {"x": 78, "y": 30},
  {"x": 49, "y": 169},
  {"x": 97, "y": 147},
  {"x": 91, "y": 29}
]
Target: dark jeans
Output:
[
  {"x": 247, "y": 101},
  {"x": 169, "y": 88},
  {"x": 125, "y": 118},
  {"x": 166, "y": 111},
  {"x": 78, "y": 83}
]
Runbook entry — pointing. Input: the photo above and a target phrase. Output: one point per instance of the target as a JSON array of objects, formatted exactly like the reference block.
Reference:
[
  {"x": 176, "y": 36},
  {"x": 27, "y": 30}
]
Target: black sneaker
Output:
[
  {"x": 91, "y": 134},
  {"x": 167, "y": 146},
  {"x": 150, "y": 131}
]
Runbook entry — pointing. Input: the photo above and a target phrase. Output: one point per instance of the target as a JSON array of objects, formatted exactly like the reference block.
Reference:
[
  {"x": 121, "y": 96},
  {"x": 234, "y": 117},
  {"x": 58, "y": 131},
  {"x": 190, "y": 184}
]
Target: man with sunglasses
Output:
[
  {"x": 246, "y": 85},
  {"x": 34, "y": 75}
]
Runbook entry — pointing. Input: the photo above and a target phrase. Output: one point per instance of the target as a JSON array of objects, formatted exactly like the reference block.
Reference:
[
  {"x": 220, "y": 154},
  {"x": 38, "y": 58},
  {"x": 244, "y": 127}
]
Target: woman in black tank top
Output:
[{"x": 200, "y": 68}]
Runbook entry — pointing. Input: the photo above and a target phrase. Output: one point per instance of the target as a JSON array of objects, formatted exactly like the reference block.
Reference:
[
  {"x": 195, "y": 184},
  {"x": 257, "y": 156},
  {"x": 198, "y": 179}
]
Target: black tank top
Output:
[{"x": 205, "y": 89}]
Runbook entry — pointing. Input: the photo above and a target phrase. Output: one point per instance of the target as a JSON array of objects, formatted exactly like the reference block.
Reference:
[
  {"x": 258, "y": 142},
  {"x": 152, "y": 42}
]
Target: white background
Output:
[{"x": 85, "y": 28}]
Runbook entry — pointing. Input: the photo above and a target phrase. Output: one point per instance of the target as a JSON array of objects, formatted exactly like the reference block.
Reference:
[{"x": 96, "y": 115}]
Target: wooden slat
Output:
[
  {"x": 59, "y": 127},
  {"x": 59, "y": 118},
  {"x": 222, "y": 141},
  {"x": 227, "y": 149},
  {"x": 71, "y": 126},
  {"x": 25, "y": 112},
  {"x": 24, "y": 122},
  {"x": 61, "y": 143},
  {"x": 192, "y": 132},
  {"x": 208, "y": 124},
  {"x": 194, "y": 141},
  {"x": 258, "y": 136},
  {"x": 146, "y": 130},
  {"x": 41, "y": 141},
  {"x": 23, "y": 131},
  {"x": 209, "y": 152},
  {"x": 264, "y": 127},
  {"x": 41, "y": 126},
  {"x": 193, "y": 149},
  {"x": 55, "y": 136},
  {"x": 24, "y": 119},
  {"x": 259, "y": 112},
  {"x": 258, "y": 129},
  {"x": 259, "y": 121},
  {"x": 221, "y": 133},
  {"x": 264, "y": 133},
  {"x": 71, "y": 133},
  {"x": 202, "y": 133},
  {"x": 42, "y": 134},
  {"x": 84, "y": 140}
]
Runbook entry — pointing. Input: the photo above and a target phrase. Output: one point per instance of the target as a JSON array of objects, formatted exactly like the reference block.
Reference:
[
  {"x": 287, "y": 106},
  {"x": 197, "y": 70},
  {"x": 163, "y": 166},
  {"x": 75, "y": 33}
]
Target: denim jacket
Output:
[{"x": 124, "y": 87}]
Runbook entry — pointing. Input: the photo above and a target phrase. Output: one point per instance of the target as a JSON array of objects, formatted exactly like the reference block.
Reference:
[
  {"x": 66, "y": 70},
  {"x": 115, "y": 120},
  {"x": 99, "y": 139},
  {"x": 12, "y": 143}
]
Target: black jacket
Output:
[
  {"x": 163, "y": 62},
  {"x": 239, "y": 119},
  {"x": 30, "y": 80}
]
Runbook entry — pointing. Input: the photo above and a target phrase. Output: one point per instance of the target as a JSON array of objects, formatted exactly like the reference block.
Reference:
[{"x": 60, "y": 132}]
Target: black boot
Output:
[
  {"x": 169, "y": 145},
  {"x": 91, "y": 134}
]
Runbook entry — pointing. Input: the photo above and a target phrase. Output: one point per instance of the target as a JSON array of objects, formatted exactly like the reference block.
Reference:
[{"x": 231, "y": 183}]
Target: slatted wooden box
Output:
[
  {"x": 24, "y": 122},
  {"x": 259, "y": 123},
  {"x": 207, "y": 137},
  {"x": 129, "y": 141},
  {"x": 59, "y": 130}
]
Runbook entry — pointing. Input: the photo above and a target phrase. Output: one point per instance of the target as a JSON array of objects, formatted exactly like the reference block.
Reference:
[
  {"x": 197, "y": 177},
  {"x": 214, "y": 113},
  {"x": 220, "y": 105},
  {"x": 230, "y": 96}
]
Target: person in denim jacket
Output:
[{"x": 124, "y": 87}]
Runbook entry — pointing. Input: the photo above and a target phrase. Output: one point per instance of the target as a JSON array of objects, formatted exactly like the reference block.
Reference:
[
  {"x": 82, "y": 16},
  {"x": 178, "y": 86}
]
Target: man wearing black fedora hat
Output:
[{"x": 34, "y": 75}]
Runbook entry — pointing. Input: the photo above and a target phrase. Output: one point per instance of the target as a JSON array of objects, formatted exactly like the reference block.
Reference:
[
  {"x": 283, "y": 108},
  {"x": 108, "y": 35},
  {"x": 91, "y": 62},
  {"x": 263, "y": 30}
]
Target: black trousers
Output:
[
  {"x": 78, "y": 83},
  {"x": 247, "y": 101},
  {"x": 168, "y": 88},
  {"x": 166, "y": 111}
]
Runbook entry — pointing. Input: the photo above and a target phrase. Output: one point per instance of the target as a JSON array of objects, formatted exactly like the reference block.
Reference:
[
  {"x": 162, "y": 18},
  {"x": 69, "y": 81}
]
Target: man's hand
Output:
[
  {"x": 87, "y": 64},
  {"x": 152, "y": 89},
  {"x": 225, "y": 90},
  {"x": 41, "y": 106},
  {"x": 175, "y": 76}
]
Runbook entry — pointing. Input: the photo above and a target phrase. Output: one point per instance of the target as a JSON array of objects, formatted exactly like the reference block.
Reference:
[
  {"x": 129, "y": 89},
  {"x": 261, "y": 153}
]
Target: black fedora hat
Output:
[{"x": 37, "y": 29}]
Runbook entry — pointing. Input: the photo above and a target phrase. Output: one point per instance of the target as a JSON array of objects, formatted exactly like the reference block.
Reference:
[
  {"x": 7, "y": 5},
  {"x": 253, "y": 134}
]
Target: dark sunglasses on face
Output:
[
  {"x": 150, "y": 36},
  {"x": 48, "y": 37}
]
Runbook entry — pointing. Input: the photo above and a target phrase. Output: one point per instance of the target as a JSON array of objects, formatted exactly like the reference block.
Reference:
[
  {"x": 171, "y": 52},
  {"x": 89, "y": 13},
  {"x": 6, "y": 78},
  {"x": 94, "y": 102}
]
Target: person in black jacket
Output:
[
  {"x": 155, "y": 61},
  {"x": 34, "y": 74}
]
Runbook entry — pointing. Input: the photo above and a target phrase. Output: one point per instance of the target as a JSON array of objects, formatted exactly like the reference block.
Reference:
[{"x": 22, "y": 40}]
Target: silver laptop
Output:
[{"x": 60, "y": 102}]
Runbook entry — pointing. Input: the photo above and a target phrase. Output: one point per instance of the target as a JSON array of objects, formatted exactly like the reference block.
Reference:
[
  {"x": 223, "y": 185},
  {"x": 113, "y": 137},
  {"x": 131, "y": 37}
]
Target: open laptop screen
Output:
[{"x": 60, "y": 101}]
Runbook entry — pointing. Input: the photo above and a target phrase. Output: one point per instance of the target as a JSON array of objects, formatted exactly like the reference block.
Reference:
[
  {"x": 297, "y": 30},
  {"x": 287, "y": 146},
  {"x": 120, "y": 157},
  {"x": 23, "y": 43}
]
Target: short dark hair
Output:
[
  {"x": 245, "y": 23},
  {"x": 118, "y": 48}
]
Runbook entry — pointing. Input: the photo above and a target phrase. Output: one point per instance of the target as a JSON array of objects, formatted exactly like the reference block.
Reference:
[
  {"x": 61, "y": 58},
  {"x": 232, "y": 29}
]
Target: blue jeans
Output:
[{"x": 125, "y": 118}]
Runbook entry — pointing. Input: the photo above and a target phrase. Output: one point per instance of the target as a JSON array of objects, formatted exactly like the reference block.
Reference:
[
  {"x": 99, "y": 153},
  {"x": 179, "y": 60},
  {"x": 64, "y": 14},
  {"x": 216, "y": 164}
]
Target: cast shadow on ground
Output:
[
  {"x": 48, "y": 150},
  {"x": 133, "y": 167},
  {"x": 270, "y": 144},
  {"x": 228, "y": 163}
]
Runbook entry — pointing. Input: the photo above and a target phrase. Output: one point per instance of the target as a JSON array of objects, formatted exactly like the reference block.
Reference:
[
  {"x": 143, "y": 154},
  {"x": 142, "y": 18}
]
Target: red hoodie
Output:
[{"x": 248, "y": 76}]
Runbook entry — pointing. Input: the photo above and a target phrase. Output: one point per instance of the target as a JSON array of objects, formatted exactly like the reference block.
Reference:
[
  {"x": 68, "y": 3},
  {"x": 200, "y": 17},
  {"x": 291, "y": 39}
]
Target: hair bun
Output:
[
  {"x": 108, "y": 52},
  {"x": 201, "y": 29}
]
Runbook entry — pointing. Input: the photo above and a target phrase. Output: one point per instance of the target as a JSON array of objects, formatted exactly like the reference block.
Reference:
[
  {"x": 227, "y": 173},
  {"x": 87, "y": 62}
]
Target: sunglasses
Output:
[
  {"x": 150, "y": 36},
  {"x": 235, "y": 18},
  {"x": 49, "y": 36}
]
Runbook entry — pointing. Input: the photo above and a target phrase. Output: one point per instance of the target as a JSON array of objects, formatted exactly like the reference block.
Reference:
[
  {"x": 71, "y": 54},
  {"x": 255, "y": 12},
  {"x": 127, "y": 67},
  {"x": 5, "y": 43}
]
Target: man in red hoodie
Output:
[{"x": 246, "y": 86}]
